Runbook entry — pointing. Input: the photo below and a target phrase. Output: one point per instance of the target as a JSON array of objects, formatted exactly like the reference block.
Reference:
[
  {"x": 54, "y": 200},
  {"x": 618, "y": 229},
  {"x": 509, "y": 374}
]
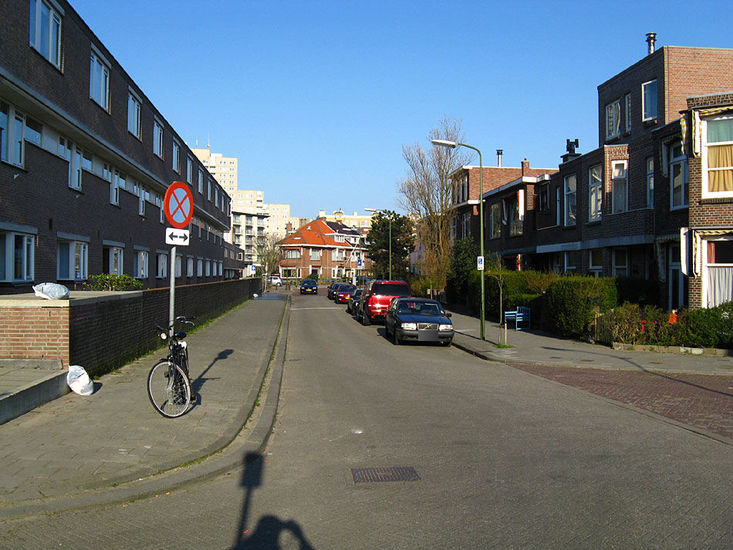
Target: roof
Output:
[{"x": 320, "y": 233}]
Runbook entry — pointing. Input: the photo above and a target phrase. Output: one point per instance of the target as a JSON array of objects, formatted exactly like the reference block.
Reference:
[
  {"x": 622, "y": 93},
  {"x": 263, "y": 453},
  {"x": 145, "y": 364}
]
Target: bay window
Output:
[{"x": 717, "y": 156}]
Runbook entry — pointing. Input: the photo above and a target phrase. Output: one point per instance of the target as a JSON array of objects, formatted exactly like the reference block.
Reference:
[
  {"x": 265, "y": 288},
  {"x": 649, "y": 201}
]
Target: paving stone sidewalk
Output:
[{"x": 76, "y": 444}]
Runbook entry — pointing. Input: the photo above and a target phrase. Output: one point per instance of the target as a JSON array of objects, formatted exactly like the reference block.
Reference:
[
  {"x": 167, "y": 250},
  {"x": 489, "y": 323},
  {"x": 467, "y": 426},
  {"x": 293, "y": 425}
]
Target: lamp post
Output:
[
  {"x": 480, "y": 262},
  {"x": 389, "y": 219}
]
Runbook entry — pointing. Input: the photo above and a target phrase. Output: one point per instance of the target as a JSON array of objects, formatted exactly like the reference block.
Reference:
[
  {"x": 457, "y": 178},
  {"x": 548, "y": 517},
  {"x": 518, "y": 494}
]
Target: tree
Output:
[
  {"x": 426, "y": 193},
  {"x": 463, "y": 262},
  {"x": 387, "y": 225},
  {"x": 268, "y": 253}
]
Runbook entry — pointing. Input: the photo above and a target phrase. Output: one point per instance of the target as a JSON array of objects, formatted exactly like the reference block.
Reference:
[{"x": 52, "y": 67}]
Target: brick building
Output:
[
  {"x": 618, "y": 210},
  {"x": 85, "y": 160},
  {"x": 326, "y": 249}
]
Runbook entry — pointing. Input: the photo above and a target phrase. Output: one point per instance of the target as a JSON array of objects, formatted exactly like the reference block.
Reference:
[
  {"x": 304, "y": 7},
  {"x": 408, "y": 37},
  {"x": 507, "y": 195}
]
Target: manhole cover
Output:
[{"x": 391, "y": 473}]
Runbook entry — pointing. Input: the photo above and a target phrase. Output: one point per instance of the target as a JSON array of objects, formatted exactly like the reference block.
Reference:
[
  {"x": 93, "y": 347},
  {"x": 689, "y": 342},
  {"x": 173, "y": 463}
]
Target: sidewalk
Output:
[
  {"x": 111, "y": 446},
  {"x": 535, "y": 348}
]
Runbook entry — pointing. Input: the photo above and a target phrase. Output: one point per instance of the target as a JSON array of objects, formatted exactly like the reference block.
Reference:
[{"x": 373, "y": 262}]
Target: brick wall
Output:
[{"x": 106, "y": 331}]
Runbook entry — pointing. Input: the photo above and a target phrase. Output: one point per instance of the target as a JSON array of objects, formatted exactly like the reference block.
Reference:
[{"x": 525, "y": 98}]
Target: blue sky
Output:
[{"x": 317, "y": 98}]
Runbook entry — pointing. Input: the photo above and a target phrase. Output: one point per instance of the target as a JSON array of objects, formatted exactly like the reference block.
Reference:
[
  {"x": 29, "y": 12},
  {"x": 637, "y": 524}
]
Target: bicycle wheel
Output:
[{"x": 169, "y": 389}]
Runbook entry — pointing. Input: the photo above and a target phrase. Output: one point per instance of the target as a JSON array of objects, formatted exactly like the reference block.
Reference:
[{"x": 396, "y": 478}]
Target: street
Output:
[{"x": 488, "y": 456}]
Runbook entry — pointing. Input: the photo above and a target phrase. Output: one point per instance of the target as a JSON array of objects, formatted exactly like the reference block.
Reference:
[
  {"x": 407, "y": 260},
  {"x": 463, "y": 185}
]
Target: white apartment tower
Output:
[{"x": 224, "y": 169}]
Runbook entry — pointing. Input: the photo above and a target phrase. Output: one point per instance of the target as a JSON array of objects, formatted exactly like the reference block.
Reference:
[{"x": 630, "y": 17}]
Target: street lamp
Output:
[
  {"x": 389, "y": 219},
  {"x": 453, "y": 145}
]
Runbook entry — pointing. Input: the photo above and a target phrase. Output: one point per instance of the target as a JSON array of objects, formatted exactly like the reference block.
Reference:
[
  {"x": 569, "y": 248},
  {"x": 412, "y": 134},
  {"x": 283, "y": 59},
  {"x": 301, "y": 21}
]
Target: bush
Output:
[
  {"x": 571, "y": 303},
  {"x": 107, "y": 281}
]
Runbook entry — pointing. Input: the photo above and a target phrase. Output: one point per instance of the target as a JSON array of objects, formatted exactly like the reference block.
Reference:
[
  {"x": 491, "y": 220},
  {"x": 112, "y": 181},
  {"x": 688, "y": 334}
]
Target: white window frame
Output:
[
  {"x": 140, "y": 264},
  {"x": 595, "y": 268},
  {"x": 199, "y": 267},
  {"x": 649, "y": 165},
  {"x": 189, "y": 169},
  {"x": 619, "y": 186},
  {"x": 677, "y": 161},
  {"x": 315, "y": 254},
  {"x": 46, "y": 41},
  {"x": 12, "y": 135},
  {"x": 99, "y": 77},
  {"x": 176, "y": 161},
  {"x": 595, "y": 193},
  {"x": 495, "y": 221},
  {"x": 158, "y": 133},
  {"x": 189, "y": 266},
  {"x": 619, "y": 269},
  {"x": 207, "y": 268},
  {"x": 134, "y": 114},
  {"x": 116, "y": 260},
  {"x": 9, "y": 251},
  {"x": 201, "y": 182},
  {"x": 161, "y": 265},
  {"x": 706, "y": 193},
  {"x": 568, "y": 265},
  {"x": 75, "y": 271},
  {"x": 570, "y": 210},
  {"x": 649, "y": 106},
  {"x": 72, "y": 154},
  {"x": 613, "y": 119}
]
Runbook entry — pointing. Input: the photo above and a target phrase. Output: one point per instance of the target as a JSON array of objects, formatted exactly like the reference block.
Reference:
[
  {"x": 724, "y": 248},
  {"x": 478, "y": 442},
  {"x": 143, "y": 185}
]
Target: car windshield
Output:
[
  {"x": 420, "y": 308},
  {"x": 347, "y": 288},
  {"x": 391, "y": 289}
]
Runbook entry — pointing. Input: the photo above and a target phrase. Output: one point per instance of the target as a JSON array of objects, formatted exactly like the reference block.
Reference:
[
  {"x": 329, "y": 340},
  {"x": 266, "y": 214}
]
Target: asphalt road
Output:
[{"x": 494, "y": 457}]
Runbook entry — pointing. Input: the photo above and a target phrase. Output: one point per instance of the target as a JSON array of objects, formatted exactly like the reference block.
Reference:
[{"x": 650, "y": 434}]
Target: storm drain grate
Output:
[{"x": 390, "y": 473}]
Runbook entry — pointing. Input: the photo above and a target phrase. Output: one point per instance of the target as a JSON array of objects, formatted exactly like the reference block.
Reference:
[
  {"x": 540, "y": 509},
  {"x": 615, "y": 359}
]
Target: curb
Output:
[{"x": 232, "y": 454}]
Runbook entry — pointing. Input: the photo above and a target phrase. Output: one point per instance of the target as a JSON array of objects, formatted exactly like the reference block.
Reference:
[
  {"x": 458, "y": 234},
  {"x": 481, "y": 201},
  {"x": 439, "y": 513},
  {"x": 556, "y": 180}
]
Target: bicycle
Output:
[{"x": 169, "y": 383}]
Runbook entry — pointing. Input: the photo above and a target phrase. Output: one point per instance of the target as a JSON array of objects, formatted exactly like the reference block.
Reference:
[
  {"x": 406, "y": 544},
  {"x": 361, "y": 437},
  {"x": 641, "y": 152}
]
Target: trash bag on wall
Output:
[{"x": 51, "y": 291}]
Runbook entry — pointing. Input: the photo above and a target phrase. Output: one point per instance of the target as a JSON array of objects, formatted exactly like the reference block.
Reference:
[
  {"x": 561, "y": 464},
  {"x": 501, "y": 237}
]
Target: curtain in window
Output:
[
  {"x": 720, "y": 285},
  {"x": 720, "y": 156}
]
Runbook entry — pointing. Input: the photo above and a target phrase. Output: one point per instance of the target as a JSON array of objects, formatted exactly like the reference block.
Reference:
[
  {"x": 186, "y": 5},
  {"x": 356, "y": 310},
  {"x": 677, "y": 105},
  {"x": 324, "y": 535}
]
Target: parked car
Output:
[
  {"x": 309, "y": 286},
  {"x": 353, "y": 304},
  {"x": 330, "y": 288},
  {"x": 333, "y": 288},
  {"x": 418, "y": 320},
  {"x": 275, "y": 280},
  {"x": 343, "y": 293},
  {"x": 376, "y": 299}
]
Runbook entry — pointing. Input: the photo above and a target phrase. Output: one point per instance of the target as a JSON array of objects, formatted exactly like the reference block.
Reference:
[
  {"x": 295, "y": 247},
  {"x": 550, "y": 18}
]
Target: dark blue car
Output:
[{"x": 418, "y": 320}]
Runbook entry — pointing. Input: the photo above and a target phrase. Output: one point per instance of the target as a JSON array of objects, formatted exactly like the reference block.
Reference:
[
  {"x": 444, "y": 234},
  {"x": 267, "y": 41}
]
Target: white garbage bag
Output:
[
  {"x": 79, "y": 381},
  {"x": 51, "y": 291}
]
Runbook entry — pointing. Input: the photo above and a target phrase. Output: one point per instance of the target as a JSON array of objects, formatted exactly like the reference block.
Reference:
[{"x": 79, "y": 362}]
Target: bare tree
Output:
[
  {"x": 426, "y": 193},
  {"x": 268, "y": 253}
]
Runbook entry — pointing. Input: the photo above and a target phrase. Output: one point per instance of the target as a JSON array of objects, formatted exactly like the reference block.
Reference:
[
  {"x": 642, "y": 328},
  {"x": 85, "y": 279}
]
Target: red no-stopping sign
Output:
[{"x": 178, "y": 205}]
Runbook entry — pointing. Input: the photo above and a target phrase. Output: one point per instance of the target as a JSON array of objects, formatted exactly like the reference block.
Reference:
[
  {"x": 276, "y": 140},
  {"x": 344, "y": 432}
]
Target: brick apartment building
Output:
[
  {"x": 85, "y": 160},
  {"x": 323, "y": 248},
  {"x": 618, "y": 210}
]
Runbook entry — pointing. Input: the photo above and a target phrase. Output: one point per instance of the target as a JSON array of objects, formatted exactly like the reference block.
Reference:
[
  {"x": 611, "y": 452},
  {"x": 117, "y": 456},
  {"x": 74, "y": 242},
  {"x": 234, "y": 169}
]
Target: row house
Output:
[
  {"x": 85, "y": 161},
  {"x": 618, "y": 210},
  {"x": 324, "y": 249}
]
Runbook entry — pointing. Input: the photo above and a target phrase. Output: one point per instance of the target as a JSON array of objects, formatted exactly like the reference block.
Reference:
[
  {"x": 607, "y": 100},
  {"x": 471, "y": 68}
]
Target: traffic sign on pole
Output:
[
  {"x": 480, "y": 263},
  {"x": 176, "y": 237},
  {"x": 178, "y": 205}
]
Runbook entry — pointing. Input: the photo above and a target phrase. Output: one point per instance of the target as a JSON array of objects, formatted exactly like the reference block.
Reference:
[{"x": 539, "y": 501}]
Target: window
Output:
[
  {"x": 649, "y": 100},
  {"x": 176, "y": 157},
  {"x": 118, "y": 181},
  {"x": 113, "y": 259},
  {"x": 495, "y": 221},
  {"x": 72, "y": 261},
  {"x": 619, "y": 187},
  {"x": 570, "y": 190},
  {"x": 292, "y": 253},
  {"x": 16, "y": 256},
  {"x": 620, "y": 262},
  {"x": 718, "y": 272},
  {"x": 717, "y": 156},
  {"x": 627, "y": 112},
  {"x": 595, "y": 262},
  {"x": 677, "y": 176},
  {"x": 158, "y": 138},
  {"x": 99, "y": 80},
  {"x": 162, "y": 265},
  {"x": 134, "y": 115},
  {"x": 595, "y": 193},
  {"x": 208, "y": 268},
  {"x": 140, "y": 264},
  {"x": 208, "y": 190},
  {"x": 613, "y": 119},
  {"x": 189, "y": 267},
  {"x": 179, "y": 265},
  {"x": 543, "y": 203},
  {"x": 650, "y": 182},
  {"x": 558, "y": 206},
  {"x": 571, "y": 261},
  {"x": 201, "y": 182},
  {"x": 199, "y": 267},
  {"x": 189, "y": 169},
  {"x": 315, "y": 254},
  {"x": 73, "y": 154},
  {"x": 12, "y": 128},
  {"x": 45, "y": 31},
  {"x": 515, "y": 216},
  {"x": 143, "y": 194}
]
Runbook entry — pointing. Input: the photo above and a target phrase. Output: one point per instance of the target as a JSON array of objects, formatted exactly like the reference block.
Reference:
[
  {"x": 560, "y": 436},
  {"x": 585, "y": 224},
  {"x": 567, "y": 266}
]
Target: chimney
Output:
[
  {"x": 499, "y": 154},
  {"x": 651, "y": 40},
  {"x": 525, "y": 167},
  {"x": 570, "y": 147}
]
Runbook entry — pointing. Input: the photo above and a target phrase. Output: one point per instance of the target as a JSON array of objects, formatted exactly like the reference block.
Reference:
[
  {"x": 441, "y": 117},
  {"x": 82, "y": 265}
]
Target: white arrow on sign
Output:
[{"x": 176, "y": 237}]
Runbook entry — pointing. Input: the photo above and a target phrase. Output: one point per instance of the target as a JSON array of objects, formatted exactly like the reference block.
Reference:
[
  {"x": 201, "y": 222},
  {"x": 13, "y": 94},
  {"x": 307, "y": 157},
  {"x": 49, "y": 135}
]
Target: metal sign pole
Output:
[{"x": 171, "y": 307}]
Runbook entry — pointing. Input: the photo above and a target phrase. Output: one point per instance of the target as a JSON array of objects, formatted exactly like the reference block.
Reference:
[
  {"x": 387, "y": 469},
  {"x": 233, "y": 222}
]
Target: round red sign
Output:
[{"x": 178, "y": 205}]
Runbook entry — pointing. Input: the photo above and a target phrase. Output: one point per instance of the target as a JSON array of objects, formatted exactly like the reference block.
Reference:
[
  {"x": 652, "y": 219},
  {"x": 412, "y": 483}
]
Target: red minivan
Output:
[{"x": 377, "y": 296}]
